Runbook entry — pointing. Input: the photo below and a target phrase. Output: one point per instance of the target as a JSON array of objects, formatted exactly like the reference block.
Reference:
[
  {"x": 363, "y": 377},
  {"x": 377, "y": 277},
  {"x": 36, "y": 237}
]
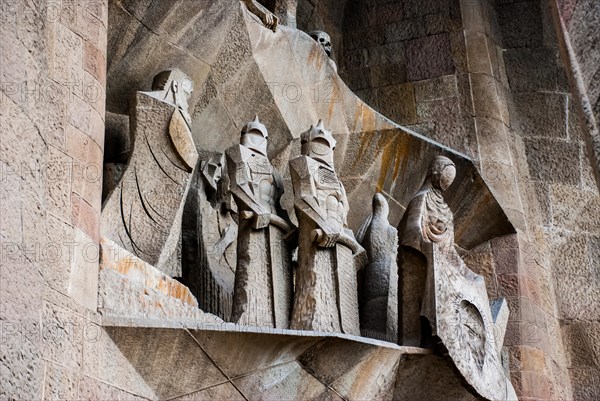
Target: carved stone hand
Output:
[{"x": 326, "y": 236}]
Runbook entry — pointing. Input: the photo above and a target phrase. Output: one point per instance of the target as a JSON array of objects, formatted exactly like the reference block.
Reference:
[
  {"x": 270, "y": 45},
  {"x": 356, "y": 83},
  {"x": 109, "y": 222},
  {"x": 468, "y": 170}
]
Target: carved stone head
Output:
[
  {"x": 442, "y": 172},
  {"x": 254, "y": 136},
  {"x": 212, "y": 170},
  {"x": 319, "y": 144},
  {"x": 323, "y": 39},
  {"x": 175, "y": 88}
]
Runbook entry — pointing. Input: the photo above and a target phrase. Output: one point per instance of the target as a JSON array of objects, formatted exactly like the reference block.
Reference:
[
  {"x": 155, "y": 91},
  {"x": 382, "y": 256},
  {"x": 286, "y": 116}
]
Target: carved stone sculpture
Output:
[
  {"x": 263, "y": 279},
  {"x": 267, "y": 17},
  {"x": 324, "y": 40},
  {"x": 326, "y": 296},
  {"x": 209, "y": 238},
  {"x": 454, "y": 307},
  {"x": 143, "y": 213},
  {"x": 378, "y": 290}
]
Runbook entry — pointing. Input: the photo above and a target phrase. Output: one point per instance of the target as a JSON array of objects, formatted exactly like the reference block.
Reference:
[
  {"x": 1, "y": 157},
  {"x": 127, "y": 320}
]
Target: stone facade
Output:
[{"x": 508, "y": 90}]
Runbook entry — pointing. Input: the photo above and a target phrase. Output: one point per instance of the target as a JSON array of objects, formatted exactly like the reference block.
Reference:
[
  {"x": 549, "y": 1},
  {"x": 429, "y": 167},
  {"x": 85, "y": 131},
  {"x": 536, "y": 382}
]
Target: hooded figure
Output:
[
  {"x": 378, "y": 289},
  {"x": 444, "y": 303}
]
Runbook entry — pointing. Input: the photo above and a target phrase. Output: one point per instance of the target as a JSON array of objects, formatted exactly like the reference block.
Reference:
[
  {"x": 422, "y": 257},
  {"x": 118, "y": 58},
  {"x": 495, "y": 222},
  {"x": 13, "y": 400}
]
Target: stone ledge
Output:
[{"x": 225, "y": 327}]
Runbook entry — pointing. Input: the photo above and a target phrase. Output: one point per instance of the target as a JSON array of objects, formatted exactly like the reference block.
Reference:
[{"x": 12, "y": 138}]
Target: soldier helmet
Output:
[
  {"x": 256, "y": 125},
  {"x": 318, "y": 132}
]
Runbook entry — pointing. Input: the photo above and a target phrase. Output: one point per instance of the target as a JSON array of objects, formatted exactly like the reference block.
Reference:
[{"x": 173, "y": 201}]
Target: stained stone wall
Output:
[
  {"x": 52, "y": 78},
  {"x": 576, "y": 209},
  {"x": 503, "y": 96},
  {"x": 407, "y": 59}
]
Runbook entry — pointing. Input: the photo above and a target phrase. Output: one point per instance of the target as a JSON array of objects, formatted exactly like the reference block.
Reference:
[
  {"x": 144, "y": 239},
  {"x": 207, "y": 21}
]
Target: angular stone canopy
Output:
[{"x": 287, "y": 80}]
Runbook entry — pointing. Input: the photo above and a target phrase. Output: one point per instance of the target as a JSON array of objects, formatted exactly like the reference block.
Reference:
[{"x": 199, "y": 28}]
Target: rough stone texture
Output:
[
  {"x": 582, "y": 22},
  {"x": 549, "y": 267},
  {"x": 549, "y": 162},
  {"x": 47, "y": 118},
  {"x": 432, "y": 52},
  {"x": 389, "y": 45},
  {"x": 534, "y": 69},
  {"x": 541, "y": 114}
]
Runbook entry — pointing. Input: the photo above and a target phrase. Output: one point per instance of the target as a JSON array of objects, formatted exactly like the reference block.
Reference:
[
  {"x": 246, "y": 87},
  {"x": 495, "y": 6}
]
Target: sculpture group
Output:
[{"x": 406, "y": 285}]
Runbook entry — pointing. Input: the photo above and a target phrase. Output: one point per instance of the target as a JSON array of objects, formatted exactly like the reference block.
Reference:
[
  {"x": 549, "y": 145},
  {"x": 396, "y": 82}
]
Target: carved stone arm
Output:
[
  {"x": 268, "y": 18},
  {"x": 273, "y": 219},
  {"x": 343, "y": 239}
]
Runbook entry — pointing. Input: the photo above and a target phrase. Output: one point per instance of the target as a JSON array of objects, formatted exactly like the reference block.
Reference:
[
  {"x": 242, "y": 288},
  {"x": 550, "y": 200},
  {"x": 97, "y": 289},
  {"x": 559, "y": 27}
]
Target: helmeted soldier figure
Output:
[
  {"x": 263, "y": 283},
  {"x": 326, "y": 288}
]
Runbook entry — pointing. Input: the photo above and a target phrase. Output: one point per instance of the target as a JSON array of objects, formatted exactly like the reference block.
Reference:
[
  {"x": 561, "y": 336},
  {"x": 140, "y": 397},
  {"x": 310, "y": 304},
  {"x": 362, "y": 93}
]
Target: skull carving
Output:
[{"x": 323, "y": 39}]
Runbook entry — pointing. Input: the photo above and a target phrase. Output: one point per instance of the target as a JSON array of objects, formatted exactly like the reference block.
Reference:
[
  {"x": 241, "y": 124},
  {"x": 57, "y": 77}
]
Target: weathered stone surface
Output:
[
  {"x": 492, "y": 138},
  {"x": 83, "y": 279},
  {"x": 106, "y": 363},
  {"x": 42, "y": 73},
  {"x": 130, "y": 287},
  {"x": 61, "y": 383},
  {"x": 540, "y": 114},
  {"x": 485, "y": 92},
  {"x": 425, "y": 377},
  {"x": 62, "y": 332},
  {"x": 397, "y": 102},
  {"x": 22, "y": 369},
  {"x": 583, "y": 343},
  {"x": 582, "y": 31},
  {"x": 481, "y": 261},
  {"x": 253, "y": 352},
  {"x": 288, "y": 381},
  {"x": 382, "y": 368},
  {"x": 192, "y": 369},
  {"x": 577, "y": 213},
  {"x": 437, "y": 88},
  {"x": 551, "y": 163},
  {"x": 520, "y": 24},
  {"x": 96, "y": 390},
  {"x": 533, "y": 70},
  {"x": 430, "y": 57},
  {"x": 225, "y": 391},
  {"x": 479, "y": 60}
]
